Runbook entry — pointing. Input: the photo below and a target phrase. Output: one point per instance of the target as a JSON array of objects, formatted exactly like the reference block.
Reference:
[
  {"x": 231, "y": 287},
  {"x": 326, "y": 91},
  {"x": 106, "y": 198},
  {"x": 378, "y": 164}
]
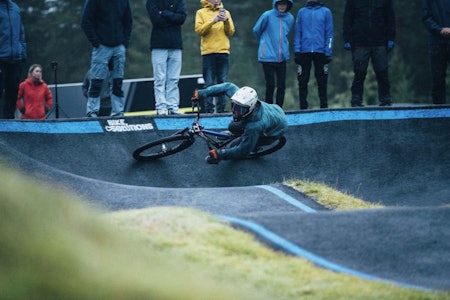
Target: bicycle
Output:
[{"x": 183, "y": 139}]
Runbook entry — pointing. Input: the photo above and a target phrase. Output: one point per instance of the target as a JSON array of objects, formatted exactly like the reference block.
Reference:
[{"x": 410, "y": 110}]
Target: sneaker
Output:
[
  {"x": 92, "y": 114},
  {"x": 173, "y": 112},
  {"x": 195, "y": 96},
  {"x": 161, "y": 112}
]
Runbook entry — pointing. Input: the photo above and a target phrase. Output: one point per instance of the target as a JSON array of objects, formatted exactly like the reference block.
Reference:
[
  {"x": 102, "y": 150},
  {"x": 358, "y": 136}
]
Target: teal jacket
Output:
[{"x": 267, "y": 120}]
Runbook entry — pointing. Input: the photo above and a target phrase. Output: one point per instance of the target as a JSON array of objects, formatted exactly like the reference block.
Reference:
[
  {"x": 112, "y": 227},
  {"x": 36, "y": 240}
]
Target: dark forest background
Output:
[{"x": 53, "y": 34}]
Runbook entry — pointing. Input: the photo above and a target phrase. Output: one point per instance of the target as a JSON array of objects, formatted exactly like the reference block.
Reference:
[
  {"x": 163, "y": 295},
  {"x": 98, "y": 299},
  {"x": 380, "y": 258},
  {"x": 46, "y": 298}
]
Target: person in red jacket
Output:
[{"x": 34, "y": 98}]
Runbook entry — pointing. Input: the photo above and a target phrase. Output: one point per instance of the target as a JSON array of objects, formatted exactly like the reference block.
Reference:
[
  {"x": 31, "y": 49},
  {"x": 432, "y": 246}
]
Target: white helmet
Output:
[{"x": 243, "y": 102}]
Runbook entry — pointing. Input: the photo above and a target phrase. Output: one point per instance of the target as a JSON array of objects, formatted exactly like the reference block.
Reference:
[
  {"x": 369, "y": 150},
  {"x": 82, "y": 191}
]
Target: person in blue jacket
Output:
[
  {"x": 313, "y": 43},
  {"x": 260, "y": 123},
  {"x": 13, "y": 53},
  {"x": 435, "y": 16},
  {"x": 272, "y": 31}
]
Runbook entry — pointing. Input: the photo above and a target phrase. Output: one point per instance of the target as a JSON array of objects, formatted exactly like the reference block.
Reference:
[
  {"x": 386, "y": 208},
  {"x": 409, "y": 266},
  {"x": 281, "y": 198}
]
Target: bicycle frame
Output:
[
  {"x": 208, "y": 135},
  {"x": 183, "y": 139}
]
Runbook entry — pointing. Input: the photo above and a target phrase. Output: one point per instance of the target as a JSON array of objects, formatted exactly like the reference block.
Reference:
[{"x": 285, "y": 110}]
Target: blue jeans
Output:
[
  {"x": 215, "y": 70},
  {"x": 166, "y": 72},
  {"x": 99, "y": 72}
]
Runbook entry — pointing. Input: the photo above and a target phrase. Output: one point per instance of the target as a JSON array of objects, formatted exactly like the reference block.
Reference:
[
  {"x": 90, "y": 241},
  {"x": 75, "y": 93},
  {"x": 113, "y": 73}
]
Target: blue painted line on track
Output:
[
  {"x": 51, "y": 127},
  {"x": 366, "y": 115},
  {"x": 221, "y": 122},
  {"x": 312, "y": 117},
  {"x": 287, "y": 198},
  {"x": 318, "y": 260}
]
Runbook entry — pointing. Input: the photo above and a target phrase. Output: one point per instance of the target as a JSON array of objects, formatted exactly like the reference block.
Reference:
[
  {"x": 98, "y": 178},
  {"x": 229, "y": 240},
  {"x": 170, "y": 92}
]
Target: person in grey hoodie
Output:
[
  {"x": 272, "y": 31},
  {"x": 13, "y": 52}
]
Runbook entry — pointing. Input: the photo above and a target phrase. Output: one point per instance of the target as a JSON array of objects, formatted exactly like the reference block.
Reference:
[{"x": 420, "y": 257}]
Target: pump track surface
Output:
[{"x": 397, "y": 156}]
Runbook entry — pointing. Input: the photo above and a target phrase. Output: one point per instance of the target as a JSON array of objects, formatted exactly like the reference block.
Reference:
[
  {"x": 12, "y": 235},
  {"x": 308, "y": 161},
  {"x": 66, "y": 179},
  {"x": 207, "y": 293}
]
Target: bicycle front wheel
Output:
[
  {"x": 267, "y": 149},
  {"x": 163, "y": 147}
]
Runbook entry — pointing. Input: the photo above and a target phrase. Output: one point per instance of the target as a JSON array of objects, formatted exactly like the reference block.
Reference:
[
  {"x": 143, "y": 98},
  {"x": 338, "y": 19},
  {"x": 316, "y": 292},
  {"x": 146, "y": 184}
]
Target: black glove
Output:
[
  {"x": 213, "y": 157},
  {"x": 298, "y": 59},
  {"x": 328, "y": 59},
  {"x": 347, "y": 46}
]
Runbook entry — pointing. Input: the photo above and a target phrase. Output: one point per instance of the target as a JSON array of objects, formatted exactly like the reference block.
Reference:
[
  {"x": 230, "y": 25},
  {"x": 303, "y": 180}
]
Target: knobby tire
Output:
[
  {"x": 163, "y": 147},
  {"x": 267, "y": 149}
]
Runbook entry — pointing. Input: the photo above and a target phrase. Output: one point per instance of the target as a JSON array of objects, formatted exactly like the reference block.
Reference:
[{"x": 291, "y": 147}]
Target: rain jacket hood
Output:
[
  {"x": 207, "y": 4},
  {"x": 289, "y": 4}
]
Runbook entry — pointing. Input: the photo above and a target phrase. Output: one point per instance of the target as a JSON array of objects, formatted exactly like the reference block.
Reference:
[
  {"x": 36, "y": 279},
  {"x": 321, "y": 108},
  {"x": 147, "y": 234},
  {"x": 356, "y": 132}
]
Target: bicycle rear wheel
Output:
[
  {"x": 163, "y": 147},
  {"x": 267, "y": 149}
]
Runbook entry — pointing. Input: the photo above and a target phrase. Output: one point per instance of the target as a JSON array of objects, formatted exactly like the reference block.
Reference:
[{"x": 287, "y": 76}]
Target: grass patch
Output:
[
  {"x": 328, "y": 197},
  {"x": 54, "y": 247}
]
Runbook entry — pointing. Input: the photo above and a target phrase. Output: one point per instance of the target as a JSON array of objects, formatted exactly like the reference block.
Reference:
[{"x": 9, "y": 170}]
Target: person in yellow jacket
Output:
[{"x": 215, "y": 26}]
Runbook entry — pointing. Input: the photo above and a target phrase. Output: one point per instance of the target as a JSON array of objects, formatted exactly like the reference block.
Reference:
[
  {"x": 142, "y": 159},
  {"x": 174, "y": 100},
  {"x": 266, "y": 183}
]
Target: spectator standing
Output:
[
  {"x": 12, "y": 54},
  {"x": 166, "y": 44},
  {"x": 369, "y": 32},
  {"x": 107, "y": 25},
  {"x": 313, "y": 43},
  {"x": 105, "y": 92},
  {"x": 435, "y": 15},
  {"x": 34, "y": 98},
  {"x": 272, "y": 30},
  {"x": 214, "y": 25}
]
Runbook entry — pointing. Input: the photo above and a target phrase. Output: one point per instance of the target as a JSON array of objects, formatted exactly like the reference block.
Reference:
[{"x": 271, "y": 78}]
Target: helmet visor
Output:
[{"x": 239, "y": 110}]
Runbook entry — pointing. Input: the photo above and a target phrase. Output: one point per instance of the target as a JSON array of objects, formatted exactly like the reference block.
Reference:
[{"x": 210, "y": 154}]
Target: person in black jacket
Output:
[
  {"x": 435, "y": 15},
  {"x": 369, "y": 32},
  {"x": 12, "y": 54},
  {"x": 166, "y": 48},
  {"x": 107, "y": 25}
]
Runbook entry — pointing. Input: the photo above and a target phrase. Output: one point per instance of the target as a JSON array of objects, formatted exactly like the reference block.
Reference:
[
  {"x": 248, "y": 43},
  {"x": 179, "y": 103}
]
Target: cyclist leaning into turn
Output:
[{"x": 259, "y": 123}]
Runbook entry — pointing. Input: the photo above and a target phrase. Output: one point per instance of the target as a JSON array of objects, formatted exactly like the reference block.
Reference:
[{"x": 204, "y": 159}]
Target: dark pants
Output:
[
  {"x": 439, "y": 59},
  {"x": 321, "y": 74},
  {"x": 361, "y": 58},
  {"x": 272, "y": 69},
  {"x": 215, "y": 70},
  {"x": 9, "y": 82}
]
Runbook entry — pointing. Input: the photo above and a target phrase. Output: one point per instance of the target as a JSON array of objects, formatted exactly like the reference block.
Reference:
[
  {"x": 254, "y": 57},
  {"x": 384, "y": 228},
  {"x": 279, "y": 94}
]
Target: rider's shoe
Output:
[
  {"x": 195, "y": 96},
  {"x": 92, "y": 114},
  {"x": 173, "y": 112}
]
